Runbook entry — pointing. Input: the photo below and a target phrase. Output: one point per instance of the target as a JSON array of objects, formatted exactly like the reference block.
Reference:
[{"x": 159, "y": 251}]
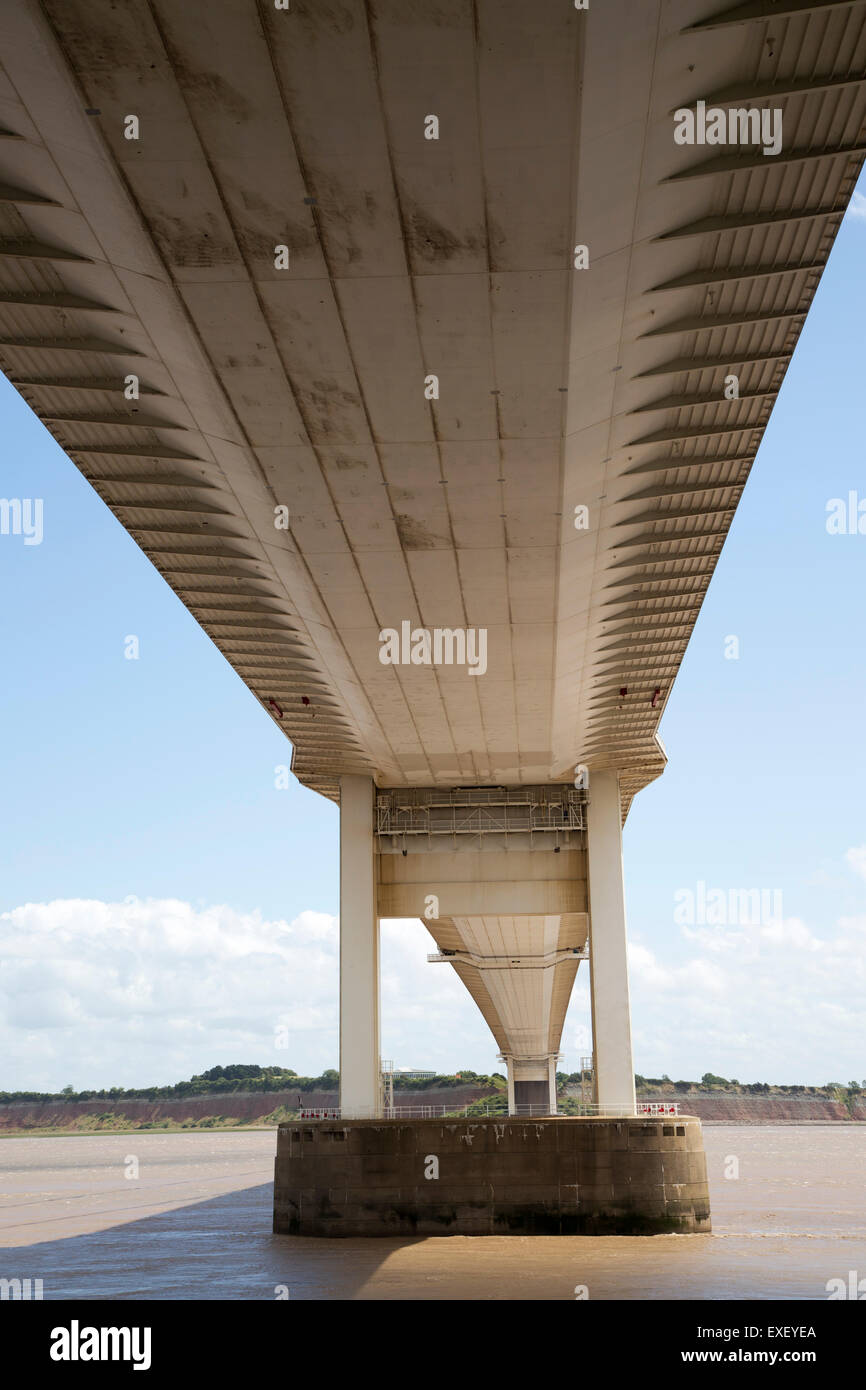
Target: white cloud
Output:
[
  {"x": 767, "y": 1003},
  {"x": 857, "y": 207},
  {"x": 140, "y": 992},
  {"x": 856, "y": 857}
]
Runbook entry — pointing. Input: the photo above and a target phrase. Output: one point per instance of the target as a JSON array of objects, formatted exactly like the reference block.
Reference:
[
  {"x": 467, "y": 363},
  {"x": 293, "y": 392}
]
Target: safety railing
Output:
[
  {"x": 427, "y": 811},
  {"x": 480, "y": 1111}
]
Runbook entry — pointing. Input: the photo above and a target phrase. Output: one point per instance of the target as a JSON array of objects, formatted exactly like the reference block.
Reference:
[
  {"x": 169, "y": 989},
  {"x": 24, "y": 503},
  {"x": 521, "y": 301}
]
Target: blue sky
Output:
[{"x": 166, "y": 908}]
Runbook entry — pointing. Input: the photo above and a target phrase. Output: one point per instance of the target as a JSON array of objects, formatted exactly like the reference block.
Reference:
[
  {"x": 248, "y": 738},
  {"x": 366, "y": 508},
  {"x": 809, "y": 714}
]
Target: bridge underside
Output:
[{"x": 433, "y": 325}]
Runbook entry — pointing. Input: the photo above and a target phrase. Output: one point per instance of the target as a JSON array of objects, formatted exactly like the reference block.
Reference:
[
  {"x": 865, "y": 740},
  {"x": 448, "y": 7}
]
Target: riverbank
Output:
[
  {"x": 230, "y": 1110},
  {"x": 265, "y": 1110}
]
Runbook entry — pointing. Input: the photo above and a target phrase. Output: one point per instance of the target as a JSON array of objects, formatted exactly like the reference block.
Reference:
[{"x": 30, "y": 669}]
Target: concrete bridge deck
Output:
[{"x": 425, "y": 346}]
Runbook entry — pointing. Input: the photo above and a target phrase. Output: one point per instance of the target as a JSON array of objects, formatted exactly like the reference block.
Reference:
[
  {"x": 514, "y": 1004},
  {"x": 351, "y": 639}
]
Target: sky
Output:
[{"x": 166, "y": 906}]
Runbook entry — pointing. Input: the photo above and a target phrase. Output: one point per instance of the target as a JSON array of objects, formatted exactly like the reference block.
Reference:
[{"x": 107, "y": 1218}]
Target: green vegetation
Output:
[
  {"x": 251, "y": 1079},
  {"x": 568, "y": 1105},
  {"x": 217, "y": 1081},
  {"x": 490, "y": 1105},
  {"x": 710, "y": 1084}
]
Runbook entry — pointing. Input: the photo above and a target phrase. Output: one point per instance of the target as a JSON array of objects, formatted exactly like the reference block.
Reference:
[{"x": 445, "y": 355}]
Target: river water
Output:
[{"x": 187, "y": 1216}]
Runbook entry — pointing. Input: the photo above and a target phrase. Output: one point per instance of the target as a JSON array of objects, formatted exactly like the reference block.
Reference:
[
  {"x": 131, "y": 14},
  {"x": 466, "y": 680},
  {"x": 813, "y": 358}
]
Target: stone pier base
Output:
[{"x": 480, "y": 1177}]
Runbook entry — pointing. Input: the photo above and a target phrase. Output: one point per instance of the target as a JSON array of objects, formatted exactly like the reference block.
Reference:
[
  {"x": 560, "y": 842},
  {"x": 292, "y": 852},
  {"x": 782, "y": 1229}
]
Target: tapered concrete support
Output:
[
  {"x": 613, "y": 1073},
  {"x": 360, "y": 1070},
  {"x": 509, "y": 1069},
  {"x": 552, "y": 1085}
]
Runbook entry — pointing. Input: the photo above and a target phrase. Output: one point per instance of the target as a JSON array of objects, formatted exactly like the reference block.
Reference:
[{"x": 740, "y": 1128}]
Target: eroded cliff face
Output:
[
  {"x": 247, "y": 1107},
  {"x": 772, "y": 1109},
  {"x": 763, "y": 1110},
  {"x": 254, "y": 1108}
]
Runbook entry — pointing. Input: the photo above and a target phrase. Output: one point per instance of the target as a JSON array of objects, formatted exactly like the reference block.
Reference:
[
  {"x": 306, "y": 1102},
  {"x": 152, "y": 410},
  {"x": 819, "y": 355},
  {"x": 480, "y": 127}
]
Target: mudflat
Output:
[{"x": 188, "y": 1216}]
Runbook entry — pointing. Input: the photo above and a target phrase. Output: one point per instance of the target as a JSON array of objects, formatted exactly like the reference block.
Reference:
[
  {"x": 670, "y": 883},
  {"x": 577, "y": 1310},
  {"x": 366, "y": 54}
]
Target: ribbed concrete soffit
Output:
[{"x": 425, "y": 348}]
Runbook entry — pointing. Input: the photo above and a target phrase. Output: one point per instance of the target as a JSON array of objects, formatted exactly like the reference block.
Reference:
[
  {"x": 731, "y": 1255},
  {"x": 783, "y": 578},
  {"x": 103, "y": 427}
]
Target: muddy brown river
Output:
[{"x": 187, "y": 1216}]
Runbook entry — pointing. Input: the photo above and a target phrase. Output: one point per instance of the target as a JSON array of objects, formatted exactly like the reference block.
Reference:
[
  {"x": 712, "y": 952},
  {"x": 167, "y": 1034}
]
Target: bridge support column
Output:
[
  {"x": 509, "y": 1071},
  {"x": 360, "y": 1067},
  {"x": 613, "y": 1070},
  {"x": 531, "y": 1085}
]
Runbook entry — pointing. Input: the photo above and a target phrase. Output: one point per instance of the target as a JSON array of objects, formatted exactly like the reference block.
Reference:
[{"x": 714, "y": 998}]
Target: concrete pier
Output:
[{"x": 506, "y": 1176}]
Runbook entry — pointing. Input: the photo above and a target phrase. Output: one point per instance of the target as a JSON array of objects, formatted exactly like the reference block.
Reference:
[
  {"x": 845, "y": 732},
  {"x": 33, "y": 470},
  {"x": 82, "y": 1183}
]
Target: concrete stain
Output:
[
  {"x": 324, "y": 16},
  {"x": 414, "y": 535},
  {"x": 428, "y": 241},
  {"x": 200, "y": 242},
  {"x": 436, "y": 14},
  {"x": 213, "y": 90}
]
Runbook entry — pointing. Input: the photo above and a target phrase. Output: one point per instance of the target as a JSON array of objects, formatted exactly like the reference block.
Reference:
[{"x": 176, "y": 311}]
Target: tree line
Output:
[{"x": 251, "y": 1078}]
